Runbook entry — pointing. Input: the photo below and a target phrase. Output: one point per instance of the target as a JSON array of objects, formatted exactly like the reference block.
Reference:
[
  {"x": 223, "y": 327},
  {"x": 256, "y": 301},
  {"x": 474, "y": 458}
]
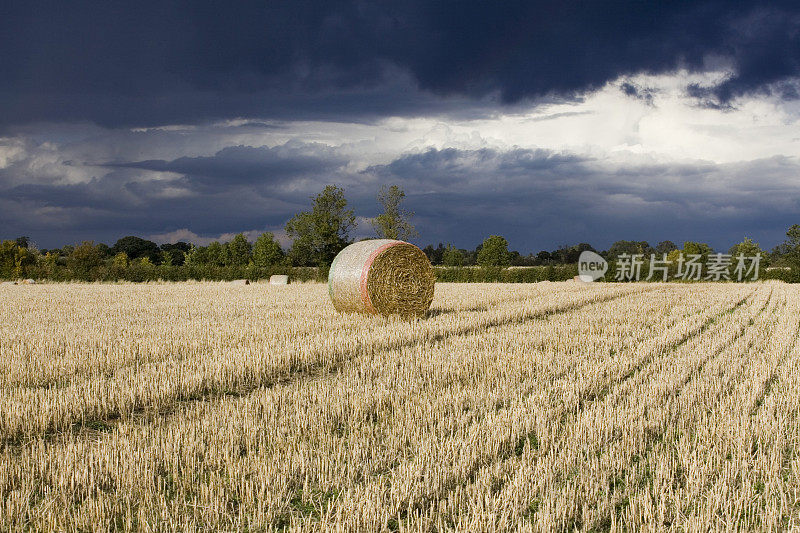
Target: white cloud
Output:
[
  {"x": 669, "y": 125},
  {"x": 621, "y": 137},
  {"x": 187, "y": 235}
]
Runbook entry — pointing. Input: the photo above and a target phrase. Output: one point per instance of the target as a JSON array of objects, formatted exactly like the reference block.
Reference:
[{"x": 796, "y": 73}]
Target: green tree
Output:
[
  {"x": 747, "y": 248},
  {"x": 216, "y": 254},
  {"x": 452, "y": 256},
  {"x": 84, "y": 259},
  {"x": 394, "y": 222},
  {"x": 321, "y": 233},
  {"x": 494, "y": 252},
  {"x": 665, "y": 247},
  {"x": 239, "y": 251},
  {"x": 49, "y": 263},
  {"x": 119, "y": 265},
  {"x": 177, "y": 252},
  {"x": 120, "y": 261},
  {"x": 15, "y": 259},
  {"x": 789, "y": 251},
  {"x": 697, "y": 248},
  {"x": 626, "y": 247},
  {"x": 196, "y": 256},
  {"x": 435, "y": 255},
  {"x": 136, "y": 247},
  {"x": 166, "y": 258},
  {"x": 267, "y": 252}
]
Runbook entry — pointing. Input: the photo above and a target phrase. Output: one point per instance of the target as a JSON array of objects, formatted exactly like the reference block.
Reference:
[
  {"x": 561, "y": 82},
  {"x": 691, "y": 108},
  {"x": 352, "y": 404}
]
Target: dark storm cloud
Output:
[
  {"x": 539, "y": 199},
  {"x": 239, "y": 187},
  {"x": 247, "y": 165},
  {"x": 536, "y": 198},
  {"x": 121, "y": 203},
  {"x": 154, "y": 63}
]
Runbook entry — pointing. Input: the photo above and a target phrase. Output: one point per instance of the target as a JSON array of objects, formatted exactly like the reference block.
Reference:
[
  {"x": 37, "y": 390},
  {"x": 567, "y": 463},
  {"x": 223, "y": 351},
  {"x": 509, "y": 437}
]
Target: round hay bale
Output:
[
  {"x": 381, "y": 276},
  {"x": 279, "y": 279}
]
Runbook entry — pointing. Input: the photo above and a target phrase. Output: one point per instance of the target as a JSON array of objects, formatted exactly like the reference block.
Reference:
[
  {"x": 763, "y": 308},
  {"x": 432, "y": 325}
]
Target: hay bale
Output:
[
  {"x": 28, "y": 282},
  {"x": 240, "y": 282},
  {"x": 279, "y": 279},
  {"x": 381, "y": 276}
]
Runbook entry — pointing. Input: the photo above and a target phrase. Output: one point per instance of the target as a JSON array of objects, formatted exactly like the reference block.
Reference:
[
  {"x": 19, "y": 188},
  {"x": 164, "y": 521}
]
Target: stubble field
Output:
[{"x": 550, "y": 406}]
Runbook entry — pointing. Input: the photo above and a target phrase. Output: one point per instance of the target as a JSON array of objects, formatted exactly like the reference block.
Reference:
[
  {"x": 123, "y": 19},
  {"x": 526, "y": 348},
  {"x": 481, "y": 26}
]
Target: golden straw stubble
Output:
[{"x": 401, "y": 281}]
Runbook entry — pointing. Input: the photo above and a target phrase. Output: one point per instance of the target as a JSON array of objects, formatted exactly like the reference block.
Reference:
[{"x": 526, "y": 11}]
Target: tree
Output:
[
  {"x": 624, "y": 247},
  {"x": 747, "y": 248},
  {"x": 790, "y": 249},
  {"x": 266, "y": 251},
  {"x": 48, "y": 263},
  {"x": 216, "y": 254},
  {"x": 544, "y": 257},
  {"x": 394, "y": 222},
  {"x": 239, "y": 251},
  {"x": 697, "y": 248},
  {"x": 166, "y": 258},
  {"x": 665, "y": 247},
  {"x": 177, "y": 252},
  {"x": 452, "y": 256},
  {"x": 494, "y": 252},
  {"x": 197, "y": 256},
  {"x": 14, "y": 259},
  {"x": 136, "y": 247},
  {"x": 435, "y": 255},
  {"x": 321, "y": 233},
  {"x": 120, "y": 262},
  {"x": 569, "y": 254},
  {"x": 85, "y": 258}
]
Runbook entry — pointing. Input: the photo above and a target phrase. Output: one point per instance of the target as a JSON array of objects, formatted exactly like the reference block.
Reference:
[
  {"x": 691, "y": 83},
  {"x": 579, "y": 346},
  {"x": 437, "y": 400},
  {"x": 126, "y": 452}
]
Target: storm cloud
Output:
[
  {"x": 548, "y": 122},
  {"x": 120, "y": 64}
]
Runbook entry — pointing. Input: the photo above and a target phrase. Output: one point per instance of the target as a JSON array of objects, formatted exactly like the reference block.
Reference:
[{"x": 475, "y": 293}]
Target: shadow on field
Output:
[{"x": 437, "y": 312}]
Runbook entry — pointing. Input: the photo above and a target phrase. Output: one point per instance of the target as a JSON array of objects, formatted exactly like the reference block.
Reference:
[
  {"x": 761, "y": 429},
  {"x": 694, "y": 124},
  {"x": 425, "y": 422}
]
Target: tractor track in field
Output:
[
  {"x": 645, "y": 448},
  {"x": 585, "y": 401},
  {"x": 582, "y": 412},
  {"x": 743, "y": 365},
  {"x": 676, "y": 391},
  {"x": 294, "y": 372},
  {"x": 184, "y": 353},
  {"x": 774, "y": 375},
  {"x": 585, "y": 404}
]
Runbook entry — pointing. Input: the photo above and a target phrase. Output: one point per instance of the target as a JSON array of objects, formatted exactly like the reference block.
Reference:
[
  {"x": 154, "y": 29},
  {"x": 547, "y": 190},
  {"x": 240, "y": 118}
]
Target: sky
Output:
[{"x": 550, "y": 123}]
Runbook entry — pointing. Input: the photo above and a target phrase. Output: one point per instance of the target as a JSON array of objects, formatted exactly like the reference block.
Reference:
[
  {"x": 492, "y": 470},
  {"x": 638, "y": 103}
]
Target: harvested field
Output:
[{"x": 552, "y": 406}]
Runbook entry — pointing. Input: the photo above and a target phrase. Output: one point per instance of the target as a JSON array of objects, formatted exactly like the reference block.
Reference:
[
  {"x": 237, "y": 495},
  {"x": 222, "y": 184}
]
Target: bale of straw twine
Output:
[{"x": 381, "y": 276}]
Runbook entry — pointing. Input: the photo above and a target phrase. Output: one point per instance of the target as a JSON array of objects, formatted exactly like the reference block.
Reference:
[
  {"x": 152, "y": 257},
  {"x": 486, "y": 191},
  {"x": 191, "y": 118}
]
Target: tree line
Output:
[
  {"x": 317, "y": 236},
  {"x": 494, "y": 252}
]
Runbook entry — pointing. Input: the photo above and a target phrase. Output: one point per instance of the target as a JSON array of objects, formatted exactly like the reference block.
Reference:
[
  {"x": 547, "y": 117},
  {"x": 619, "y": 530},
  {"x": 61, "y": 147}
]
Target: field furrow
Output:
[
  {"x": 535, "y": 407},
  {"x": 239, "y": 368}
]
